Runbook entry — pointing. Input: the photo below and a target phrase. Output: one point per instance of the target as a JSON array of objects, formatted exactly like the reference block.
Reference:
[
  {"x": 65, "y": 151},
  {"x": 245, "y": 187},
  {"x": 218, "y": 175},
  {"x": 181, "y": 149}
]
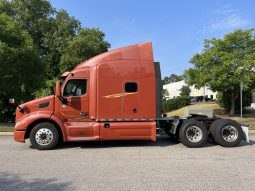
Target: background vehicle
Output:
[{"x": 114, "y": 96}]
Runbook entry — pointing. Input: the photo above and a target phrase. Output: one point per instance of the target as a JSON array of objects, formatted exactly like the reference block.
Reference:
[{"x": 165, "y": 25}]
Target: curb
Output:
[
  {"x": 6, "y": 133},
  {"x": 11, "y": 133}
]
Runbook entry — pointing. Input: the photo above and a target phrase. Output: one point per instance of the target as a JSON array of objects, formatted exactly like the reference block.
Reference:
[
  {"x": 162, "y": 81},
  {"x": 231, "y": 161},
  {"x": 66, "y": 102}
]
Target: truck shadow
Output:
[
  {"x": 11, "y": 181},
  {"x": 162, "y": 141},
  {"x": 243, "y": 143},
  {"x": 120, "y": 143}
]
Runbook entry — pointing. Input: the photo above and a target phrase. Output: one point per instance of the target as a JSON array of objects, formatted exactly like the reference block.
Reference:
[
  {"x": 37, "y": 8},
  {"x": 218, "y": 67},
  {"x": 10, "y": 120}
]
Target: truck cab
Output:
[{"x": 112, "y": 96}]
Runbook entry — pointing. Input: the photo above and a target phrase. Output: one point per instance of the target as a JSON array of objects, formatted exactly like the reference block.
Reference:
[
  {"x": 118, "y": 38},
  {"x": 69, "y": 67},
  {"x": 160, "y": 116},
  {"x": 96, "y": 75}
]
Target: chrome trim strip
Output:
[{"x": 76, "y": 126}]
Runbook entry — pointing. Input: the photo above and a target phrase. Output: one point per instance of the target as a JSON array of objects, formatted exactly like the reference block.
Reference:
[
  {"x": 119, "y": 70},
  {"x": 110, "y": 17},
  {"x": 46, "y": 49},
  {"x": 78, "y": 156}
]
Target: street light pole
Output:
[{"x": 241, "y": 101}]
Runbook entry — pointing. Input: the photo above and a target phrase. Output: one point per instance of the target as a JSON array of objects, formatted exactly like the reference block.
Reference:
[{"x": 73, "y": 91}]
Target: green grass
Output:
[
  {"x": 7, "y": 127},
  {"x": 252, "y": 127}
]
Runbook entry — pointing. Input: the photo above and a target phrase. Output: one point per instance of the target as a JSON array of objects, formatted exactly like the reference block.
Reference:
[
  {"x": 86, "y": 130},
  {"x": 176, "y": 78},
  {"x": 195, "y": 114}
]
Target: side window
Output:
[
  {"x": 75, "y": 88},
  {"x": 131, "y": 87}
]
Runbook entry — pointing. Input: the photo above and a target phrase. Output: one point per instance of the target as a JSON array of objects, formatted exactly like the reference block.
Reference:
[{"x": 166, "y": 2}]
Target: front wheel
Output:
[
  {"x": 193, "y": 133},
  {"x": 44, "y": 136}
]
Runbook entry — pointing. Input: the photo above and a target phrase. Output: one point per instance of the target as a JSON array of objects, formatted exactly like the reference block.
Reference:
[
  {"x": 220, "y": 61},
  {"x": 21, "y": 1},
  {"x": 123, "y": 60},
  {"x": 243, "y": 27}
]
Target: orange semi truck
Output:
[{"x": 114, "y": 96}]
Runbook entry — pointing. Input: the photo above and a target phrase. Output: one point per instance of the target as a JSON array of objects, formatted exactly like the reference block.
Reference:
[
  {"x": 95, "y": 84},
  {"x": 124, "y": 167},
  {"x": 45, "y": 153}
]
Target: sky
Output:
[{"x": 177, "y": 28}]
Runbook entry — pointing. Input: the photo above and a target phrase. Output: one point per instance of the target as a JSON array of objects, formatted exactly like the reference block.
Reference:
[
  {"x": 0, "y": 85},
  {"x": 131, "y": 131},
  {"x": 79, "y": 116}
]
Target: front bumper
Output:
[{"x": 19, "y": 136}]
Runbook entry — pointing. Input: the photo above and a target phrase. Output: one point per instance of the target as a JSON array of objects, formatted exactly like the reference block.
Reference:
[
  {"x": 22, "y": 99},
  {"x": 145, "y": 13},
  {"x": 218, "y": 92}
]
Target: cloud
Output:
[
  {"x": 133, "y": 21},
  {"x": 232, "y": 21},
  {"x": 224, "y": 10},
  {"x": 227, "y": 18}
]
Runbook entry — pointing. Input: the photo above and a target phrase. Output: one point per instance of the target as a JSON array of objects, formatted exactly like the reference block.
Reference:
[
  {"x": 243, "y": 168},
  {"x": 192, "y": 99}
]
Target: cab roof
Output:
[{"x": 142, "y": 51}]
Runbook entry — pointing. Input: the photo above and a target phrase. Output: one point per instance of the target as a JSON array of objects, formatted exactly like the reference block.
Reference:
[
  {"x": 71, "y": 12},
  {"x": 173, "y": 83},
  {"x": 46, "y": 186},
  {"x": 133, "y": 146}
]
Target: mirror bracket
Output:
[
  {"x": 13, "y": 102},
  {"x": 63, "y": 100}
]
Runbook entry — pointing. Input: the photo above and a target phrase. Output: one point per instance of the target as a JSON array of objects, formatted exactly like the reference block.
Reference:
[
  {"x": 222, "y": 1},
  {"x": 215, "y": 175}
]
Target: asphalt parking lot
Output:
[{"x": 127, "y": 165}]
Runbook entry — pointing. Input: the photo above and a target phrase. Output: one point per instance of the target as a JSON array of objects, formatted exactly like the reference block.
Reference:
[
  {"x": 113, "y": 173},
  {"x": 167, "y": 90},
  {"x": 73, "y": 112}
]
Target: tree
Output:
[
  {"x": 172, "y": 78},
  {"x": 54, "y": 41},
  {"x": 6, "y": 7},
  {"x": 223, "y": 100},
  {"x": 164, "y": 95},
  {"x": 63, "y": 29},
  {"x": 50, "y": 29},
  {"x": 35, "y": 17},
  {"x": 185, "y": 91},
  {"x": 224, "y": 63},
  {"x": 87, "y": 44},
  {"x": 20, "y": 66}
]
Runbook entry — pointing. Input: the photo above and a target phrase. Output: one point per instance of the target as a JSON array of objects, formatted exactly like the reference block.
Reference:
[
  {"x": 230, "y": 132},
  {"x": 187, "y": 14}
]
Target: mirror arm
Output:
[
  {"x": 58, "y": 93},
  {"x": 20, "y": 108},
  {"x": 62, "y": 99}
]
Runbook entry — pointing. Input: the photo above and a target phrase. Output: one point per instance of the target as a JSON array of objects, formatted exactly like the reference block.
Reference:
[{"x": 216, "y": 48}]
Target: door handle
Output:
[
  {"x": 107, "y": 125},
  {"x": 84, "y": 113}
]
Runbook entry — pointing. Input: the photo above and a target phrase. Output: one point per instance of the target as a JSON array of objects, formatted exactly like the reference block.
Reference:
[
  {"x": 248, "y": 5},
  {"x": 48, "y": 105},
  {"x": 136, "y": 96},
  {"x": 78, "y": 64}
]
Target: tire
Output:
[
  {"x": 193, "y": 133},
  {"x": 212, "y": 127},
  {"x": 227, "y": 133},
  {"x": 44, "y": 136}
]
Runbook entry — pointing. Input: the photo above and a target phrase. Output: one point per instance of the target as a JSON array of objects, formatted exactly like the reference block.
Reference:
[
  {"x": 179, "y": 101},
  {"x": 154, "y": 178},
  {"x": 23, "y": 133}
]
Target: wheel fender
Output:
[
  {"x": 60, "y": 123},
  {"x": 23, "y": 124}
]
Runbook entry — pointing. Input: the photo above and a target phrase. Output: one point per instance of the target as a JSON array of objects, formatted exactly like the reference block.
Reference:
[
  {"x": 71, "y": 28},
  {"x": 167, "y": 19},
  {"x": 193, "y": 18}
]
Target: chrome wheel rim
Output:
[
  {"x": 44, "y": 136},
  {"x": 229, "y": 133},
  {"x": 194, "y": 134}
]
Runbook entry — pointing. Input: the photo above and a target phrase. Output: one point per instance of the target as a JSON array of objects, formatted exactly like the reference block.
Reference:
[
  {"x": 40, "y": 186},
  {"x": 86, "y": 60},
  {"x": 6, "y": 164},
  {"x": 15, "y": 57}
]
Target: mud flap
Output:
[{"x": 245, "y": 133}]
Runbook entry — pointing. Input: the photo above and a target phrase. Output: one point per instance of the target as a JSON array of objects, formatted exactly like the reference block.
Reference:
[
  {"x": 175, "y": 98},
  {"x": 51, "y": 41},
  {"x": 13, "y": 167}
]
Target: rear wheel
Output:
[
  {"x": 211, "y": 129},
  {"x": 193, "y": 133},
  {"x": 44, "y": 136},
  {"x": 227, "y": 133}
]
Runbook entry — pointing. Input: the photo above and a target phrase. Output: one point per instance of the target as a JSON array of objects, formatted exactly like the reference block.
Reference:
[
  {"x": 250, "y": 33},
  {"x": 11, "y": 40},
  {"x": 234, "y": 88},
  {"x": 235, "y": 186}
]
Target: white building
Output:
[{"x": 174, "y": 90}]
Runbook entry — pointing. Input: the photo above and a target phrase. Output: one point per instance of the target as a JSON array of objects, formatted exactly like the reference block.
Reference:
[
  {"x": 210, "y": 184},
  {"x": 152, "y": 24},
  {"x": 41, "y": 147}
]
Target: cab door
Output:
[
  {"x": 76, "y": 106},
  {"x": 75, "y": 109}
]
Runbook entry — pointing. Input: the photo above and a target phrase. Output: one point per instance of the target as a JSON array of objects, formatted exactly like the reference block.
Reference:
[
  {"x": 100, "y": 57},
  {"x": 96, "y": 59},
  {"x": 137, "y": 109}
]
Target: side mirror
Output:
[
  {"x": 57, "y": 89},
  {"x": 12, "y": 101}
]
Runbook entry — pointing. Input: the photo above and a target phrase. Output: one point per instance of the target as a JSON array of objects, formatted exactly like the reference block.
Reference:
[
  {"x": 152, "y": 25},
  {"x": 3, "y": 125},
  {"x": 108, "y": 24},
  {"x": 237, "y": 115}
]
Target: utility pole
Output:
[
  {"x": 204, "y": 93},
  {"x": 241, "y": 101}
]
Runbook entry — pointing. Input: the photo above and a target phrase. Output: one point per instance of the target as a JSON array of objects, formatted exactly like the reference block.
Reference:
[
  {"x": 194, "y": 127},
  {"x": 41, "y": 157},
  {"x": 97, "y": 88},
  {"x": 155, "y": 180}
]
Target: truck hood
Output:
[{"x": 37, "y": 105}]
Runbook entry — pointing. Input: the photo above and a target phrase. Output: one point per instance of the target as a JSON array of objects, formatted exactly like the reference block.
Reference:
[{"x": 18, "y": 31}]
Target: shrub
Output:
[
  {"x": 223, "y": 99},
  {"x": 175, "y": 103}
]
